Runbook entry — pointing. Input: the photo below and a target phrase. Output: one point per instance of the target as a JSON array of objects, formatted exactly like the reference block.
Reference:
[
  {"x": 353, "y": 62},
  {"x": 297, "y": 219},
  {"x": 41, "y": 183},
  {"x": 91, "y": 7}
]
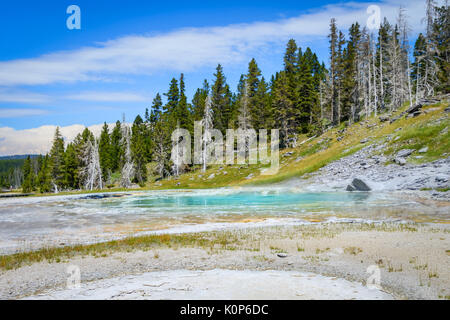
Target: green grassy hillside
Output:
[{"x": 429, "y": 129}]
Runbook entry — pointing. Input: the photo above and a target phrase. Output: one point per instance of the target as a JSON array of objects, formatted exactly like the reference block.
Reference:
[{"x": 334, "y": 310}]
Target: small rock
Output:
[
  {"x": 288, "y": 154},
  {"x": 364, "y": 140},
  {"x": 282, "y": 255},
  {"x": 405, "y": 153},
  {"x": 423, "y": 150},
  {"x": 249, "y": 176},
  {"x": 441, "y": 179},
  {"x": 384, "y": 118},
  {"x": 395, "y": 118},
  {"x": 350, "y": 188},
  {"x": 211, "y": 176},
  {"x": 400, "y": 161}
]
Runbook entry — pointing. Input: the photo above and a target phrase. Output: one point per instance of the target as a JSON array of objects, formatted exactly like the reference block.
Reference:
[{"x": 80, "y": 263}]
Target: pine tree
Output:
[
  {"x": 441, "y": 29},
  {"x": 115, "y": 150},
  {"x": 198, "y": 102},
  {"x": 170, "y": 108},
  {"x": 138, "y": 148},
  {"x": 57, "y": 160},
  {"x": 307, "y": 98},
  {"x": 182, "y": 115},
  {"x": 253, "y": 79},
  {"x": 71, "y": 167},
  {"x": 283, "y": 107},
  {"x": 105, "y": 152},
  {"x": 28, "y": 174},
  {"x": 262, "y": 103},
  {"x": 156, "y": 108},
  {"x": 44, "y": 176},
  {"x": 220, "y": 100}
]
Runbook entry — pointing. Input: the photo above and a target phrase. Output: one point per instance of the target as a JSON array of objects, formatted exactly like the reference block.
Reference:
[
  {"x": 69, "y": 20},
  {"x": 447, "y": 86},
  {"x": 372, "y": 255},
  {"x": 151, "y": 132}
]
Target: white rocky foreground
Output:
[{"x": 219, "y": 284}]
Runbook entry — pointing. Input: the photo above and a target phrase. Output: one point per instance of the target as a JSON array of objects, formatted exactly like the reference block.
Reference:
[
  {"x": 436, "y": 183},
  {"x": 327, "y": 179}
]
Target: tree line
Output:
[{"x": 368, "y": 73}]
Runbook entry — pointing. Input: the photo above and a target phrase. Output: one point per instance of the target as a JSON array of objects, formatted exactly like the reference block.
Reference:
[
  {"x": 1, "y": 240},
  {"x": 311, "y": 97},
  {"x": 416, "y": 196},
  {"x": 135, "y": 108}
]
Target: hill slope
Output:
[{"x": 373, "y": 145}]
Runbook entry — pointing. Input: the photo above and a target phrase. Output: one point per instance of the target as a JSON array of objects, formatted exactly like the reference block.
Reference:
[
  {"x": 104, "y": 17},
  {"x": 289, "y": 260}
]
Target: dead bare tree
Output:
[
  {"x": 91, "y": 172},
  {"x": 128, "y": 170}
]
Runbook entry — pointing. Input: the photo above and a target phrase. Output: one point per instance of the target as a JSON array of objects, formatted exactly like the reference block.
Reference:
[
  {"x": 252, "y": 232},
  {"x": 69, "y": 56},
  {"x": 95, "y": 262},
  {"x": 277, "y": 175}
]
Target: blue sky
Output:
[{"x": 127, "y": 51}]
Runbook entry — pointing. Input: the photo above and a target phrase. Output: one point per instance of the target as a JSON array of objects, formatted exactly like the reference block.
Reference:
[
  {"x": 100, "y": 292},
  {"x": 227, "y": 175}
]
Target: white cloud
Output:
[
  {"x": 38, "y": 140},
  {"x": 16, "y": 113},
  {"x": 21, "y": 96},
  {"x": 108, "y": 96},
  {"x": 188, "y": 49}
]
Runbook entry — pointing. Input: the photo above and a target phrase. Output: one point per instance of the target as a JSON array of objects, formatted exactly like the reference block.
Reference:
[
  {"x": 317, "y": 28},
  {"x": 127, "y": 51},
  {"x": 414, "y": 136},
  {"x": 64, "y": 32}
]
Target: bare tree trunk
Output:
[
  {"x": 375, "y": 97},
  {"x": 381, "y": 74}
]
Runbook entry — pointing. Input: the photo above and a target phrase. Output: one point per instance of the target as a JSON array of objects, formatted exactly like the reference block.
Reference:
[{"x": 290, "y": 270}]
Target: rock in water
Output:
[
  {"x": 360, "y": 185},
  {"x": 350, "y": 188}
]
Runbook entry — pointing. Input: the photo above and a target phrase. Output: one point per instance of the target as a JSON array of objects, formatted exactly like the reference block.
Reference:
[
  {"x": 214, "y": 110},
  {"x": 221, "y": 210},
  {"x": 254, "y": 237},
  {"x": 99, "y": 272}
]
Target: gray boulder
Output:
[
  {"x": 358, "y": 185},
  {"x": 423, "y": 150},
  {"x": 414, "y": 108}
]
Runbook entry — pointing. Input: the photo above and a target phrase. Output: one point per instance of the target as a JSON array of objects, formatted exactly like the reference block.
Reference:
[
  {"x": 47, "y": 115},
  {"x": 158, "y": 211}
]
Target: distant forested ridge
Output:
[{"x": 369, "y": 72}]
